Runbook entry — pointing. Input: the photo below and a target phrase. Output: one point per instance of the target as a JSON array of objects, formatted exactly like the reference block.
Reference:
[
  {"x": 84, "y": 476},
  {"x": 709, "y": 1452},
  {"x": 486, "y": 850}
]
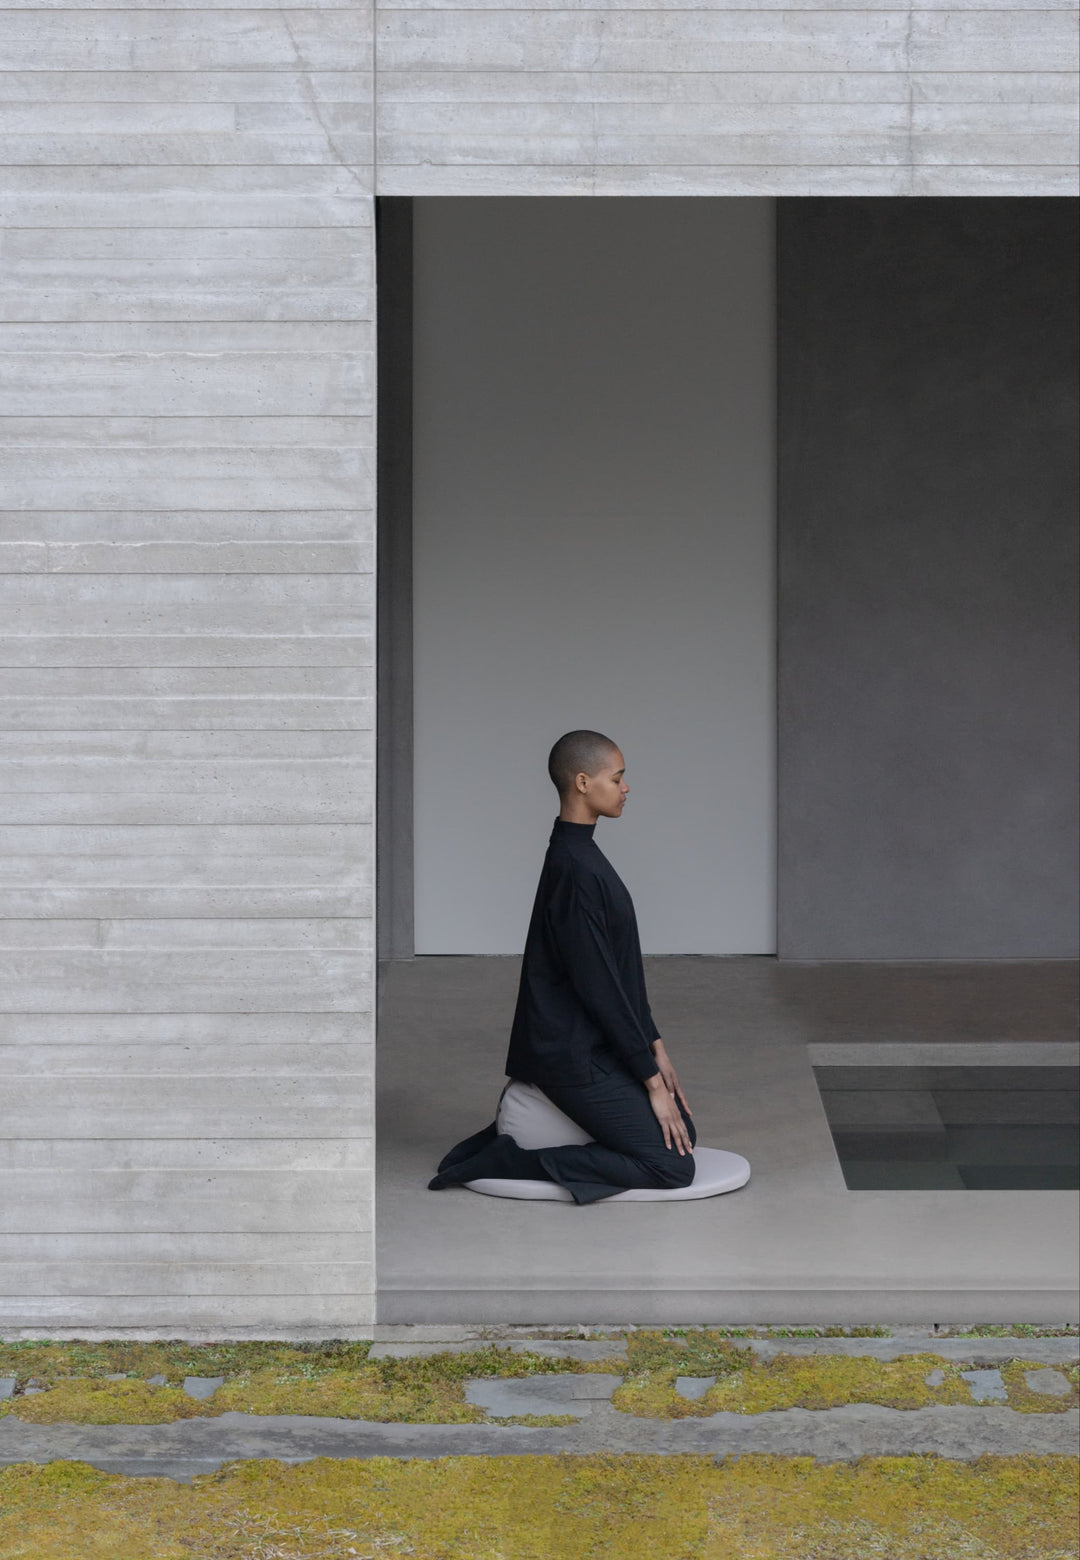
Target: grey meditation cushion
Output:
[{"x": 526, "y": 1113}]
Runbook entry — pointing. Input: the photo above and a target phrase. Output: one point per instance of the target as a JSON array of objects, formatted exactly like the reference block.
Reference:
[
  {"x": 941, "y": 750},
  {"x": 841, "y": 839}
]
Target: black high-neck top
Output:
[{"x": 581, "y": 998}]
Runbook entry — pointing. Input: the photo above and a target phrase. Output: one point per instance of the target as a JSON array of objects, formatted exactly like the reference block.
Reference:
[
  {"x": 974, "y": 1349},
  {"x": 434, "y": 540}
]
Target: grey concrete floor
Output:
[{"x": 792, "y": 1246}]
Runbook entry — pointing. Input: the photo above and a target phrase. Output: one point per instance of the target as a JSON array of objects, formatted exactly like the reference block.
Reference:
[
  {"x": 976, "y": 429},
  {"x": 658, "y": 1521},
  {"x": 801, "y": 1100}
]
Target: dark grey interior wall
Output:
[
  {"x": 927, "y": 556},
  {"x": 393, "y": 636}
]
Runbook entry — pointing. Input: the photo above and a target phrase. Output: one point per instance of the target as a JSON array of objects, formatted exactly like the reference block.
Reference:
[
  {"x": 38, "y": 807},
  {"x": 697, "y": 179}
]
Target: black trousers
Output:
[{"x": 628, "y": 1151}]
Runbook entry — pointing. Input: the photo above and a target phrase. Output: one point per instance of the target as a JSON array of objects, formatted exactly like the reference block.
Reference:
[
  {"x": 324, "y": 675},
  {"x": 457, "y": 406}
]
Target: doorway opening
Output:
[{"x": 606, "y": 498}]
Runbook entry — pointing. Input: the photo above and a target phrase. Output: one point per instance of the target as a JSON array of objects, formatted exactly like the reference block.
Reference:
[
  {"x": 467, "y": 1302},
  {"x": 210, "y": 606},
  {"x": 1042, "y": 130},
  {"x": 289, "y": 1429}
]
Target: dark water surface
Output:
[{"x": 920, "y": 1128}]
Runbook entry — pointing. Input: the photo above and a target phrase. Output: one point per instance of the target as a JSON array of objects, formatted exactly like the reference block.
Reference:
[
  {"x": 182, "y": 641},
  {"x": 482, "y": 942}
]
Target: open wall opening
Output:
[{"x": 576, "y": 501}]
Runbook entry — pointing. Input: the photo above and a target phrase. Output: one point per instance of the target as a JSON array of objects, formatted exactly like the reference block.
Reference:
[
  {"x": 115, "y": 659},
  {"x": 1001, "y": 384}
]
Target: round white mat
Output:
[
  {"x": 715, "y": 1171},
  {"x": 526, "y": 1113}
]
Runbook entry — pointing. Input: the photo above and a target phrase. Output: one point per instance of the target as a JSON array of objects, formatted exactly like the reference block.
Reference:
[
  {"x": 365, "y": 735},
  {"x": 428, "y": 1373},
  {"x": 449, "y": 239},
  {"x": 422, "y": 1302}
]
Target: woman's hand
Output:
[
  {"x": 668, "y": 1073},
  {"x": 667, "y": 1113}
]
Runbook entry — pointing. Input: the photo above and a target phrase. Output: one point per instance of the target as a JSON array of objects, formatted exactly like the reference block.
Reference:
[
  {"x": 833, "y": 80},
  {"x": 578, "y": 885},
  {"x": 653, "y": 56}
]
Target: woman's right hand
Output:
[{"x": 666, "y": 1110}]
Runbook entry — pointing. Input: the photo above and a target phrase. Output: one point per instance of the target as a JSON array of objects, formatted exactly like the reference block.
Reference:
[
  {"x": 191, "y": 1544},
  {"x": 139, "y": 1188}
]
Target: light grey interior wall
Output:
[
  {"x": 928, "y": 579},
  {"x": 594, "y": 546},
  {"x": 186, "y": 683},
  {"x": 601, "y": 97}
]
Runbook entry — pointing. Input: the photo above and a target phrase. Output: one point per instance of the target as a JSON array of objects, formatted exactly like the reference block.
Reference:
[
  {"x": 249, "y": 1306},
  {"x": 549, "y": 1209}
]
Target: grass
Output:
[{"x": 754, "y": 1507}]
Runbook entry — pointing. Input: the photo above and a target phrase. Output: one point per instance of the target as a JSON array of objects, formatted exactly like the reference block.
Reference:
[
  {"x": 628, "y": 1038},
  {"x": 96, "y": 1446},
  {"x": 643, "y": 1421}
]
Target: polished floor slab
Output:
[{"x": 796, "y": 1244}]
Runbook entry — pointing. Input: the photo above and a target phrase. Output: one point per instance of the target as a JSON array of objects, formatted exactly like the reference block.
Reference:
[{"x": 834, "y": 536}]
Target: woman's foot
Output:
[
  {"x": 500, "y": 1158},
  {"x": 469, "y": 1146}
]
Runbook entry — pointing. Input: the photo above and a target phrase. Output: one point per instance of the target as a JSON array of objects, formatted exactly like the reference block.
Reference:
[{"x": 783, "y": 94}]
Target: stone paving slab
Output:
[
  {"x": 976, "y": 1351},
  {"x": 693, "y": 1388},
  {"x": 192, "y": 1446},
  {"x": 417, "y": 1332},
  {"x": 202, "y": 1387},
  {"x": 406, "y": 1341},
  {"x": 1050, "y": 1381},
  {"x": 508, "y": 1396},
  {"x": 987, "y": 1386},
  {"x": 569, "y": 1349}
]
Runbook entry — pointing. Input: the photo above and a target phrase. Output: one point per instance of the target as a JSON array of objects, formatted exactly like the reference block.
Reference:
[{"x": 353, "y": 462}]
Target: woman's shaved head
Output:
[{"x": 578, "y": 752}]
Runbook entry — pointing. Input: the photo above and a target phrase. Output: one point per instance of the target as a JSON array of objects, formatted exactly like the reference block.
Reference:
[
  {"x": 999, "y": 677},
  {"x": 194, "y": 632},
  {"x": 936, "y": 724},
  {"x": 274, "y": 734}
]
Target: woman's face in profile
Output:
[{"x": 608, "y": 789}]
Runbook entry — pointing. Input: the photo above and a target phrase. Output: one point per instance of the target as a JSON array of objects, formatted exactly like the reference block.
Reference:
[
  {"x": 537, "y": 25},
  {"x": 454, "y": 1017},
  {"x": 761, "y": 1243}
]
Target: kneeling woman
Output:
[{"x": 582, "y": 1029}]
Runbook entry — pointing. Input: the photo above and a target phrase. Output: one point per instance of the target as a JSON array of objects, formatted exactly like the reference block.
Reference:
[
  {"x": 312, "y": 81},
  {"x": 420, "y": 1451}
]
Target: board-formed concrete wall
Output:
[
  {"x": 743, "y": 97},
  {"x": 186, "y": 670},
  {"x": 186, "y": 416}
]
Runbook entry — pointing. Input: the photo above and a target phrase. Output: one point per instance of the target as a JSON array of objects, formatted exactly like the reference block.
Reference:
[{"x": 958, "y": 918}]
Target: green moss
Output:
[
  {"x": 790, "y": 1381},
  {"x": 47, "y": 1361},
  {"x": 1013, "y": 1330},
  {"x": 699, "y": 1353},
  {"x": 1025, "y": 1401},
  {"x": 360, "y": 1394},
  {"x": 342, "y": 1382},
  {"x": 104, "y": 1403},
  {"x": 752, "y": 1507},
  {"x": 747, "y": 1384},
  {"x": 426, "y": 1390}
]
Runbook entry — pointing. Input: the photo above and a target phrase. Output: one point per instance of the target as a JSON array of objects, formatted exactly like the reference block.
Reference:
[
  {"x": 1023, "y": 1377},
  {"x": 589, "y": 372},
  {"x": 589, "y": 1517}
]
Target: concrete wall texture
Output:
[
  {"x": 755, "y": 97},
  {"x": 186, "y": 669},
  {"x": 927, "y": 548},
  {"x": 185, "y": 656}
]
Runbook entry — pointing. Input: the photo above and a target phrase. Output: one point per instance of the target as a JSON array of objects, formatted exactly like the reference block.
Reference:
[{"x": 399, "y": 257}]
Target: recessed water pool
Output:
[{"x": 954, "y": 1128}]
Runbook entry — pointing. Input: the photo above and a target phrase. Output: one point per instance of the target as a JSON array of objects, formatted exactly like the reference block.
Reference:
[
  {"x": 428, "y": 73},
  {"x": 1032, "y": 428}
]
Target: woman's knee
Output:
[{"x": 675, "y": 1170}]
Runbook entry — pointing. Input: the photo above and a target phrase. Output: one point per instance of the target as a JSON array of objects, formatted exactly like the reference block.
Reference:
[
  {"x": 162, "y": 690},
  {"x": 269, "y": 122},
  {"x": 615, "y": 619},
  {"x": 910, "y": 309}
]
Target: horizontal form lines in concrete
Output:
[
  {"x": 763, "y": 98},
  {"x": 741, "y": 99},
  {"x": 187, "y": 431}
]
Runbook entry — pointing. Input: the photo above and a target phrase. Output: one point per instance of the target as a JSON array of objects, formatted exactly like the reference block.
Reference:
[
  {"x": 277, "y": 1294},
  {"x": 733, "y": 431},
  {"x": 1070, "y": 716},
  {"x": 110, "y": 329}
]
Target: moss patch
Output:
[
  {"x": 755, "y": 1507},
  {"x": 104, "y": 1403},
  {"x": 1013, "y": 1330},
  {"x": 746, "y": 1384},
  {"x": 48, "y": 1362},
  {"x": 1023, "y": 1399},
  {"x": 427, "y": 1390},
  {"x": 338, "y": 1380}
]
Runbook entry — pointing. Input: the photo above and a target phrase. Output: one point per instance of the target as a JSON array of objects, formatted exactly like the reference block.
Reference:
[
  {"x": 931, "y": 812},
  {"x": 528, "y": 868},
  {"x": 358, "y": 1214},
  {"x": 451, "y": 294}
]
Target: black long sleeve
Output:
[
  {"x": 581, "y": 1006},
  {"x": 578, "y": 924}
]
